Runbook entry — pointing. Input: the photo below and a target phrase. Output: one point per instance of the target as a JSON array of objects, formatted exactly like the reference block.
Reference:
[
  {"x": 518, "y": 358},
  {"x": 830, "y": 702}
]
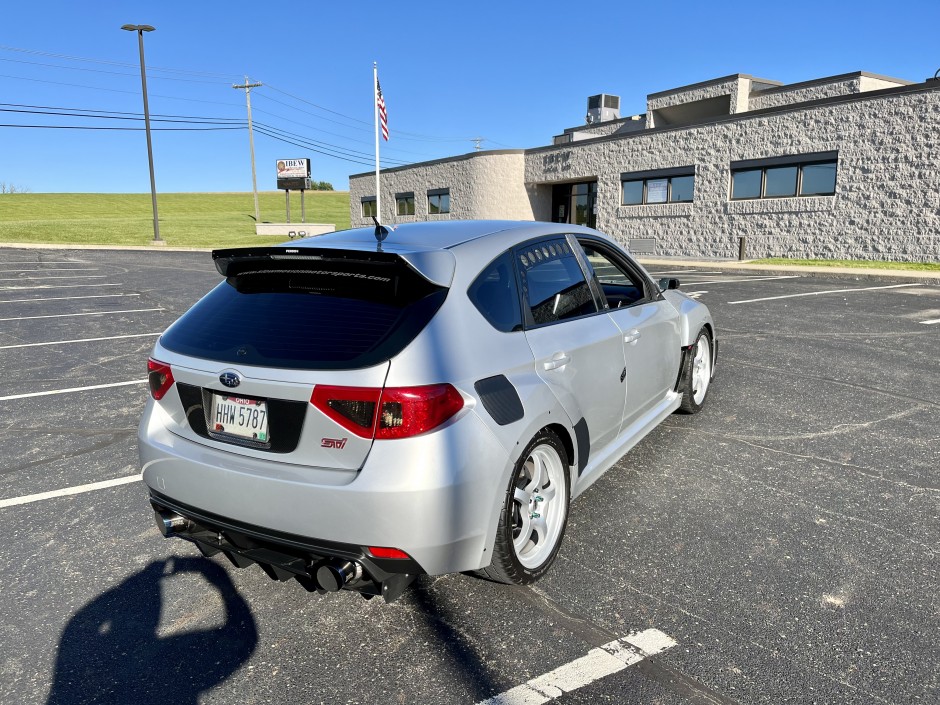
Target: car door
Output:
[
  {"x": 649, "y": 327},
  {"x": 577, "y": 348}
]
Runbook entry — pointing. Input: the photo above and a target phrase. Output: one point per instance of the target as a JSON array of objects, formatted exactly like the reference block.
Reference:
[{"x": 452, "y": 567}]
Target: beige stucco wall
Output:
[{"x": 482, "y": 185}]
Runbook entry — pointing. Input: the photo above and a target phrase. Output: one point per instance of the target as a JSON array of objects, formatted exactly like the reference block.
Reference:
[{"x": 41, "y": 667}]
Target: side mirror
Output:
[{"x": 668, "y": 283}]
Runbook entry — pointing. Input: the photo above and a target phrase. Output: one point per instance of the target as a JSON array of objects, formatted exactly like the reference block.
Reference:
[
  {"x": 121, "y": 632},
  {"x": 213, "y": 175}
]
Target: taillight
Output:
[
  {"x": 353, "y": 408},
  {"x": 396, "y": 412},
  {"x": 161, "y": 378}
]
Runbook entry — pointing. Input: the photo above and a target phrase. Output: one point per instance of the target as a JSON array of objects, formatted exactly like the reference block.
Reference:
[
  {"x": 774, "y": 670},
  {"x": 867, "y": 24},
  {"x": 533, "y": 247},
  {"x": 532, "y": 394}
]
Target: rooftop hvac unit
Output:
[{"x": 603, "y": 107}]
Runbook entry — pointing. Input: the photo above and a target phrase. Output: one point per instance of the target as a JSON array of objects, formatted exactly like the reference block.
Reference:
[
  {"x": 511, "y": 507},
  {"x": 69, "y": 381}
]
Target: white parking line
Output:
[
  {"x": 79, "y": 340},
  {"x": 79, "y": 489},
  {"x": 828, "y": 291},
  {"x": 600, "y": 662},
  {"x": 742, "y": 281},
  {"x": 46, "y": 269},
  {"x": 930, "y": 323},
  {"x": 34, "y": 287},
  {"x": 68, "y": 298},
  {"x": 70, "y": 276},
  {"x": 684, "y": 271},
  {"x": 72, "y": 389},
  {"x": 91, "y": 313}
]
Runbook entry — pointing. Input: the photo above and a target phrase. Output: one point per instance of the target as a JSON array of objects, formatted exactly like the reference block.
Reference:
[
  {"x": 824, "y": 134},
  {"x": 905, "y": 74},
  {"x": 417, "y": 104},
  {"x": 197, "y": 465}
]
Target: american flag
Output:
[{"x": 383, "y": 115}]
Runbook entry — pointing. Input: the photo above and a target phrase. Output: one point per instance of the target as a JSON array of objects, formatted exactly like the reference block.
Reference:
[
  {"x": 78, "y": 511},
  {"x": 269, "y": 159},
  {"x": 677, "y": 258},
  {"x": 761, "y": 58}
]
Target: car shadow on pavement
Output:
[
  {"x": 111, "y": 651},
  {"x": 439, "y": 619}
]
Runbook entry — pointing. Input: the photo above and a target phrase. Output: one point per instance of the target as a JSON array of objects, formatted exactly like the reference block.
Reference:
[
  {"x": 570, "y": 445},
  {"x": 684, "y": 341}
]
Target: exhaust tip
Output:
[
  {"x": 333, "y": 576},
  {"x": 169, "y": 523}
]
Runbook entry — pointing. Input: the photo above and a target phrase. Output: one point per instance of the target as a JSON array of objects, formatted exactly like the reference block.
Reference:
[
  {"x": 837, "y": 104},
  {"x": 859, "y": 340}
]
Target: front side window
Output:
[
  {"x": 784, "y": 177},
  {"x": 619, "y": 284},
  {"x": 439, "y": 201},
  {"x": 369, "y": 207},
  {"x": 658, "y": 187},
  {"x": 554, "y": 287}
]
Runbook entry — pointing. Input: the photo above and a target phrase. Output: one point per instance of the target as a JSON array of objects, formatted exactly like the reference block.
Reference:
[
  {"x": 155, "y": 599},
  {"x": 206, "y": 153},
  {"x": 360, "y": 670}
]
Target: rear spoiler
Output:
[
  {"x": 437, "y": 266},
  {"x": 240, "y": 260}
]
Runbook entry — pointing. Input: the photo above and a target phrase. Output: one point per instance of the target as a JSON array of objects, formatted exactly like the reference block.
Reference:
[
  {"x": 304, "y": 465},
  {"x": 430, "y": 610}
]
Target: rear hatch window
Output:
[{"x": 307, "y": 308}]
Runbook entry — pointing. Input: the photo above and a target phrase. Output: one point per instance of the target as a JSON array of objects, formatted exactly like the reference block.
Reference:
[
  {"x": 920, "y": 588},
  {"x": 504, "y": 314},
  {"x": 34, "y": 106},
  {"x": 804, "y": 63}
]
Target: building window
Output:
[
  {"x": 438, "y": 201},
  {"x": 660, "y": 186},
  {"x": 785, "y": 177},
  {"x": 405, "y": 203},
  {"x": 369, "y": 207}
]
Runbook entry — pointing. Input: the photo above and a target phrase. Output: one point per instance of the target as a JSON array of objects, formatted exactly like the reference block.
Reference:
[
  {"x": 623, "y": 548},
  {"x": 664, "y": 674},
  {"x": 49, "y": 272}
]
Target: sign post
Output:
[{"x": 294, "y": 174}]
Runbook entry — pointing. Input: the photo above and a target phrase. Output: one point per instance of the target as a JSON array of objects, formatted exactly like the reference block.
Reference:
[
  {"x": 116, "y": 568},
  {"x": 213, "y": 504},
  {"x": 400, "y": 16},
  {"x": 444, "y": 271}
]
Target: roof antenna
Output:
[{"x": 381, "y": 232}]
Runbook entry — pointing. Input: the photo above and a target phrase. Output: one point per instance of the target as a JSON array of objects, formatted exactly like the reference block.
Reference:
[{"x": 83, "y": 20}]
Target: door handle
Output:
[
  {"x": 559, "y": 359},
  {"x": 632, "y": 336}
]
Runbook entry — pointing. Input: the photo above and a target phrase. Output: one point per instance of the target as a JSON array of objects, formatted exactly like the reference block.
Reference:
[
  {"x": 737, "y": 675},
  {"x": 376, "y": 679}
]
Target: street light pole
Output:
[{"x": 140, "y": 29}]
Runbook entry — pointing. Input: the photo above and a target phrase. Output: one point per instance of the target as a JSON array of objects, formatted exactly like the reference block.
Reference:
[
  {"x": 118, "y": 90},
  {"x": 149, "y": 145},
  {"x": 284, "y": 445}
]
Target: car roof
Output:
[
  {"x": 432, "y": 247},
  {"x": 437, "y": 235}
]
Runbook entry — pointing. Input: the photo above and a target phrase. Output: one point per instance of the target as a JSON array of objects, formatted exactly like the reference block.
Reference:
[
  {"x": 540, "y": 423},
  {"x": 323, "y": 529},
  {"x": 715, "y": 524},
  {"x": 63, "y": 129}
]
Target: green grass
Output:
[
  {"x": 858, "y": 263},
  {"x": 186, "y": 219}
]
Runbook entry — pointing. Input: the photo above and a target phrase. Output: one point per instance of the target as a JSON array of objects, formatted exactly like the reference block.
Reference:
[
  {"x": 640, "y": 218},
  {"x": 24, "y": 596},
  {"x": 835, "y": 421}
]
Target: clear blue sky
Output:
[{"x": 513, "y": 73}]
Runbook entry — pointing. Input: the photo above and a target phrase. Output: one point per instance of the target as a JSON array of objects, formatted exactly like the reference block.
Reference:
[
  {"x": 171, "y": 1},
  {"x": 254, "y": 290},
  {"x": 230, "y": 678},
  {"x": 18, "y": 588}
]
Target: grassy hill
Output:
[{"x": 186, "y": 219}]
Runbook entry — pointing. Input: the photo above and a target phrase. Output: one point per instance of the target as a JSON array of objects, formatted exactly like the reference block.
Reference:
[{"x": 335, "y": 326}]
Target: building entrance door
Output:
[{"x": 574, "y": 203}]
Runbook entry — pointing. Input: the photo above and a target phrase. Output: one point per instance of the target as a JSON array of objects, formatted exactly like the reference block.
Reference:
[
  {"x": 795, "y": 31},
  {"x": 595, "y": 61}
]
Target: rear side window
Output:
[
  {"x": 553, "y": 284},
  {"x": 320, "y": 315},
  {"x": 496, "y": 295}
]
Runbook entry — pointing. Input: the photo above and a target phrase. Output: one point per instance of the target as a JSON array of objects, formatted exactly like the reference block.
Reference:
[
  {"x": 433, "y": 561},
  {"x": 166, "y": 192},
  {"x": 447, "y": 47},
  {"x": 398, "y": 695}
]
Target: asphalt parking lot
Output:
[{"x": 779, "y": 547}]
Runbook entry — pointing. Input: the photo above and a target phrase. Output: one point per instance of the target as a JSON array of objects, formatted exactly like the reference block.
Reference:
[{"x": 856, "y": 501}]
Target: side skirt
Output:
[{"x": 629, "y": 437}]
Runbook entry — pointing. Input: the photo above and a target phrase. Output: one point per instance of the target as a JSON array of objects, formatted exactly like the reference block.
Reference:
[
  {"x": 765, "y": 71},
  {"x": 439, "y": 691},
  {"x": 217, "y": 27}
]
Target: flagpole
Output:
[{"x": 375, "y": 104}]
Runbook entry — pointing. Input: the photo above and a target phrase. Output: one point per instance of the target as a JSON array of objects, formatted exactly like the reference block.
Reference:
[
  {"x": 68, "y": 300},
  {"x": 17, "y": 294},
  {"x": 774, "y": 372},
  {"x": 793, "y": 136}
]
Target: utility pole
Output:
[
  {"x": 140, "y": 29},
  {"x": 477, "y": 142},
  {"x": 251, "y": 143}
]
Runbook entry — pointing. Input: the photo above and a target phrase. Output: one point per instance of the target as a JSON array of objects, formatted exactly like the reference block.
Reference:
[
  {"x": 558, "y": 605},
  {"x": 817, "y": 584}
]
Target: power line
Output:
[
  {"x": 114, "y": 63},
  {"x": 92, "y": 127},
  {"x": 113, "y": 73}
]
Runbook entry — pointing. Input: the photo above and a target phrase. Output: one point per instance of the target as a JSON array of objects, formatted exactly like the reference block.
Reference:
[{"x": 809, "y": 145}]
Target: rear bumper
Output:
[
  {"x": 436, "y": 497},
  {"x": 283, "y": 556}
]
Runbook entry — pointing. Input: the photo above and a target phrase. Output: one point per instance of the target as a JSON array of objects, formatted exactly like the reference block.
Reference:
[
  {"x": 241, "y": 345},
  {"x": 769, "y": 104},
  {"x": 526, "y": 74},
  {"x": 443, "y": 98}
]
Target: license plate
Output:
[{"x": 236, "y": 416}]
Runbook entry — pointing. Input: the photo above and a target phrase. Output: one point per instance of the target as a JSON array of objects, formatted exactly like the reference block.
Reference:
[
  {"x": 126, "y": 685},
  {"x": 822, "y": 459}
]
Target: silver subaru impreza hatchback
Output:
[{"x": 359, "y": 408}]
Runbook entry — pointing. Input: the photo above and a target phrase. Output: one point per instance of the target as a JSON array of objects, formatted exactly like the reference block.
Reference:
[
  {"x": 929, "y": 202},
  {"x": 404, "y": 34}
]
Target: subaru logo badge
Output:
[{"x": 230, "y": 379}]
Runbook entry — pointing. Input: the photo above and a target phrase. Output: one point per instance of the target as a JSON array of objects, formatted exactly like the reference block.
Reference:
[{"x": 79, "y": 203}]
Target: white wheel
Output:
[
  {"x": 535, "y": 513},
  {"x": 697, "y": 374}
]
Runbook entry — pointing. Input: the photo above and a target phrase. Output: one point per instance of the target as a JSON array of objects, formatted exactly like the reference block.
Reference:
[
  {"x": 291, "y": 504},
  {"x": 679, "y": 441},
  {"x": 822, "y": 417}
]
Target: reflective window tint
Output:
[
  {"x": 632, "y": 193},
  {"x": 368, "y": 207},
  {"x": 780, "y": 181},
  {"x": 405, "y": 205},
  {"x": 784, "y": 177},
  {"x": 658, "y": 189},
  {"x": 683, "y": 188},
  {"x": 746, "y": 184},
  {"x": 439, "y": 203},
  {"x": 818, "y": 180}
]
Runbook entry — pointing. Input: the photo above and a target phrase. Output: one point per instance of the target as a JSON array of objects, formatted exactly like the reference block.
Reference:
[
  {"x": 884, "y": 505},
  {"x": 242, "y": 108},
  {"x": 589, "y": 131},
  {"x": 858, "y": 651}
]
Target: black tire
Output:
[
  {"x": 517, "y": 565},
  {"x": 697, "y": 373}
]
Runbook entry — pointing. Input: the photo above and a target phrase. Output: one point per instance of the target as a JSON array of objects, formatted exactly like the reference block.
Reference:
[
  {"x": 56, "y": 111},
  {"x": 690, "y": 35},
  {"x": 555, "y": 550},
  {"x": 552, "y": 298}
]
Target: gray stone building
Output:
[{"x": 840, "y": 167}]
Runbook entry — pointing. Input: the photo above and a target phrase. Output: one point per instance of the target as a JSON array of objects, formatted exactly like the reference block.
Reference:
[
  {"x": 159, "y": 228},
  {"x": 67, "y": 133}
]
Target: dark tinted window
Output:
[
  {"x": 554, "y": 286},
  {"x": 682, "y": 189},
  {"x": 632, "y": 193},
  {"x": 331, "y": 315},
  {"x": 746, "y": 184},
  {"x": 781, "y": 181},
  {"x": 496, "y": 296},
  {"x": 818, "y": 179}
]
